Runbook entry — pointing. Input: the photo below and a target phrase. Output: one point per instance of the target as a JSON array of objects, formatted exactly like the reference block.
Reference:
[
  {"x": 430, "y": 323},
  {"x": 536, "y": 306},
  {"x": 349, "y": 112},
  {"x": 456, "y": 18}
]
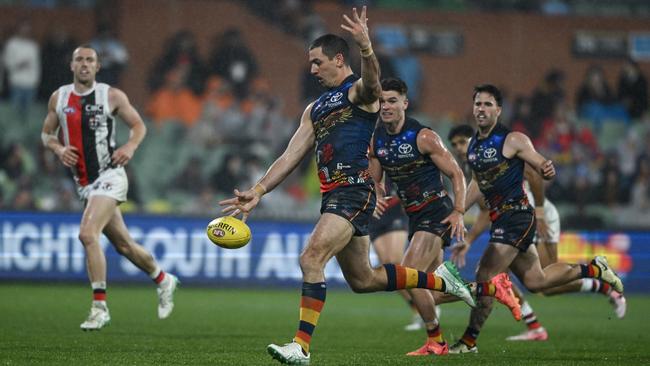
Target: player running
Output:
[
  {"x": 414, "y": 157},
  {"x": 85, "y": 112},
  {"x": 546, "y": 241},
  {"x": 497, "y": 157}
]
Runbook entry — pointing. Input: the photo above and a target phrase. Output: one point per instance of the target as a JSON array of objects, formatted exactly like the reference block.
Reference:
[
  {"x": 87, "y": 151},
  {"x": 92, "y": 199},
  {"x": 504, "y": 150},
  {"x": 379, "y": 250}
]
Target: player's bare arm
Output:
[
  {"x": 474, "y": 194},
  {"x": 366, "y": 90},
  {"x": 68, "y": 155},
  {"x": 518, "y": 144},
  {"x": 300, "y": 144},
  {"x": 377, "y": 174},
  {"x": 121, "y": 107},
  {"x": 482, "y": 223},
  {"x": 430, "y": 144},
  {"x": 536, "y": 184}
]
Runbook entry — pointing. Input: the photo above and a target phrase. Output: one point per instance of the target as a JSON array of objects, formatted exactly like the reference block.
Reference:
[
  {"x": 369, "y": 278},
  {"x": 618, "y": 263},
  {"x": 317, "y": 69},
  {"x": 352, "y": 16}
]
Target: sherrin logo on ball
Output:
[{"x": 228, "y": 232}]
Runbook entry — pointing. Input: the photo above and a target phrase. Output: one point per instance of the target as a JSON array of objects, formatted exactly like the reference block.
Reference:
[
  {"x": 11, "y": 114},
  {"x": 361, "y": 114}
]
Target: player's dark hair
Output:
[
  {"x": 394, "y": 84},
  {"x": 332, "y": 45},
  {"x": 490, "y": 89},
  {"x": 461, "y": 130}
]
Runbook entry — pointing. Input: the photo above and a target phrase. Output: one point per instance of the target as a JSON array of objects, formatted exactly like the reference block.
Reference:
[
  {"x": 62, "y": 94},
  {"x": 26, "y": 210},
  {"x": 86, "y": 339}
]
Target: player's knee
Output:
[
  {"x": 87, "y": 237},
  {"x": 533, "y": 286},
  {"x": 310, "y": 262}
]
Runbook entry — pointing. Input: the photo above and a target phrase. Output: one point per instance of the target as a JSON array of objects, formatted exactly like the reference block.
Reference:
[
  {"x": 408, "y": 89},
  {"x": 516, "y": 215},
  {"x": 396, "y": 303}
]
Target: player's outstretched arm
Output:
[
  {"x": 299, "y": 145},
  {"x": 460, "y": 249},
  {"x": 429, "y": 143},
  {"x": 366, "y": 90},
  {"x": 121, "y": 106},
  {"x": 518, "y": 144},
  {"x": 67, "y": 154}
]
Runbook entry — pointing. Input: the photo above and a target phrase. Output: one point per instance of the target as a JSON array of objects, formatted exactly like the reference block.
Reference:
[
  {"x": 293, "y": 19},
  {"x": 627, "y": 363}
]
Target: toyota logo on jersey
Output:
[{"x": 490, "y": 153}]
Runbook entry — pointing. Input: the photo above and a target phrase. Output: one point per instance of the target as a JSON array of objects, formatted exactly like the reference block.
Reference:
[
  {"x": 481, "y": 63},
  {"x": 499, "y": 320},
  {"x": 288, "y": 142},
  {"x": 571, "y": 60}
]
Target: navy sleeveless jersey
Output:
[
  {"x": 499, "y": 178},
  {"x": 343, "y": 132},
  {"x": 417, "y": 178}
]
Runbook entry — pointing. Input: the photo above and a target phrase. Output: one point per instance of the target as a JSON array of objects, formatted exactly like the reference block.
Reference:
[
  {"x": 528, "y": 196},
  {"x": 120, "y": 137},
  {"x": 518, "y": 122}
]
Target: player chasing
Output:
[
  {"x": 339, "y": 124},
  {"x": 85, "y": 112},
  {"x": 497, "y": 157},
  {"x": 546, "y": 241},
  {"x": 413, "y": 158}
]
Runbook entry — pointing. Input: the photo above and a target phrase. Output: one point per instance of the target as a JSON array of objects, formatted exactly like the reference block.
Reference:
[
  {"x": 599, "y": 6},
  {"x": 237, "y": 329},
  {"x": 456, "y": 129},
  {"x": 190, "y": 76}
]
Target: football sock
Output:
[
  {"x": 593, "y": 285},
  {"x": 311, "y": 304},
  {"x": 435, "y": 335},
  {"x": 469, "y": 337},
  {"x": 400, "y": 277},
  {"x": 485, "y": 289},
  {"x": 158, "y": 275},
  {"x": 529, "y": 316},
  {"x": 99, "y": 293},
  {"x": 590, "y": 271}
]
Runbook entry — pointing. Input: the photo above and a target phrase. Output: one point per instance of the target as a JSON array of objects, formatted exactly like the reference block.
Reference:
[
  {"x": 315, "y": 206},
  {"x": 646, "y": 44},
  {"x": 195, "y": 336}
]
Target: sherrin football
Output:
[{"x": 229, "y": 232}]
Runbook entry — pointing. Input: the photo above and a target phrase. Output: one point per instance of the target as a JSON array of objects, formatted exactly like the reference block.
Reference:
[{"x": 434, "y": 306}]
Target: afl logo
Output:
[
  {"x": 336, "y": 97},
  {"x": 471, "y": 157},
  {"x": 382, "y": 152},
  {"x": 490, "y": 153},
  {"x": 405, "y": 148},
  {"x": 69, "y": 110},
  {"x": 218, "y": 233}
]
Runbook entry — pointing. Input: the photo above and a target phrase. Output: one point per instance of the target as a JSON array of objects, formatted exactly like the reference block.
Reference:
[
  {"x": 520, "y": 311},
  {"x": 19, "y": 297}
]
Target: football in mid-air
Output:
[{"x": 229, "y": 232}]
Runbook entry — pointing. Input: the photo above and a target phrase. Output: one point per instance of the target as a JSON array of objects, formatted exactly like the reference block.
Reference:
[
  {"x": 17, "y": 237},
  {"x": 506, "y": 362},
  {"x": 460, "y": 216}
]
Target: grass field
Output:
[{"x": 39, "y": 325}]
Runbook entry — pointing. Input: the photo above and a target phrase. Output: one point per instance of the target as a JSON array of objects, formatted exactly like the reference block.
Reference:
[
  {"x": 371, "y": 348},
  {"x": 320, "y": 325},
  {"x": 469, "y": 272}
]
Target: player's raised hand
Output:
[
  {"x": 358, "y": 27},
  {"x": 547, "y": 170},
  {"x": 458, "y": 253},
  {"x": 69, "y": 156},
  {"x": 243, "y": 203},
  {"x": 455, "y": 220}
]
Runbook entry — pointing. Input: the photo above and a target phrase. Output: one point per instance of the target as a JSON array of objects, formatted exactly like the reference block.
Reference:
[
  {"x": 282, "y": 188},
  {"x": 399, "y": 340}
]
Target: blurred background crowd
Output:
[{"x": 219, "y": 112}]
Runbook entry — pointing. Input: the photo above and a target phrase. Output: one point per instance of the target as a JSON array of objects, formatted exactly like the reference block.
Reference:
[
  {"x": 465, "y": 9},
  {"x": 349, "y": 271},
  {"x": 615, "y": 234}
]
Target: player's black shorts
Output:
[
  {"x": 514, "y": 227},
  {"x": 429, "y": 217},
  {"x": 354, "y": 203},
  {"x": 393, "y": 219}
]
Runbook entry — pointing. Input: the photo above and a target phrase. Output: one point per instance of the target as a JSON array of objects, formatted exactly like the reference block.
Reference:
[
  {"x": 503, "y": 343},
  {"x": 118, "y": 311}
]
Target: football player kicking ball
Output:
[
  {"x": 85, "y": 112},
  {"x": 497, "y": 158},
  {"x": 339, "y": 124},
  {"x": 414, "y": 157},
  {"x": 548, "y": 236}
]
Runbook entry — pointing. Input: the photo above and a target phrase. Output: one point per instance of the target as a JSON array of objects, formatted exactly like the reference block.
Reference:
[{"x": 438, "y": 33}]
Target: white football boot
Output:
[
  {"x": 166, "y": 295},
  {"x": 454, "y": 283},
  {"x": 97, "y": 319},
  {"x": 416, "y": 324},
  {"x": 607, "y": 274},
  {"x": 290, "y": 354},
  {"x": 619, "y": 303}
]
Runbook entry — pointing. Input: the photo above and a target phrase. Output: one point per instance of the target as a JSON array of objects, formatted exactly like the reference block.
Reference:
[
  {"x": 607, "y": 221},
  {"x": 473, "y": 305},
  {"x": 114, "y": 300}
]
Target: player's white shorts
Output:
[
  {"x": 552, "y": 218},
  {"x": 111, "y": 182}
]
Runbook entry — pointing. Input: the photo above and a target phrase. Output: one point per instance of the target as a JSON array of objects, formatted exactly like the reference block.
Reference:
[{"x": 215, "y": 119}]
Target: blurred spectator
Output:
[
  {"x": 231, "y": 174},
  {"x": 56, "y": 56},
  {"x": 24, "y": 199},
  {"x": 521, "y": 120},
  {"x": 181, "y": 52},
  {"x": 174, "y": 100},
  {"x": 595, "y": 100},
  {"x": 633, "y": 89},
  {"x": 23, "y": 64},
  {"x": 640, "y": 192},
  {"x": 190, "y": 180},
  {"x": 232, "y": 60},
  {"x": 546, "y": 96},
  {"x": 113, "y": 55},
  {"x": 611, "y": 180}
]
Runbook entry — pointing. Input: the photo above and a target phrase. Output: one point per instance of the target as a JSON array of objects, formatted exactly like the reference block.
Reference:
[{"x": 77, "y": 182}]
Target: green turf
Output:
[{"x": 39, "y": 325}]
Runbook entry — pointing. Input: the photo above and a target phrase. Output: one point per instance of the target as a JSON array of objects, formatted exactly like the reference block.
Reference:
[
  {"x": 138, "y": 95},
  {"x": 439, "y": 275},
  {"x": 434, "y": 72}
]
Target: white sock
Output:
[
  {"x": 587, "y": 284},
  {"x": 526, "y": 309}
]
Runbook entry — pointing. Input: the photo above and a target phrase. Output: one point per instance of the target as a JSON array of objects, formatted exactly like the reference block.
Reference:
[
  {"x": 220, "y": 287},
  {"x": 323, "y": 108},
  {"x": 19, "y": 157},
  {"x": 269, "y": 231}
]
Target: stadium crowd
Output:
[{"x": 214, "y": 123}]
